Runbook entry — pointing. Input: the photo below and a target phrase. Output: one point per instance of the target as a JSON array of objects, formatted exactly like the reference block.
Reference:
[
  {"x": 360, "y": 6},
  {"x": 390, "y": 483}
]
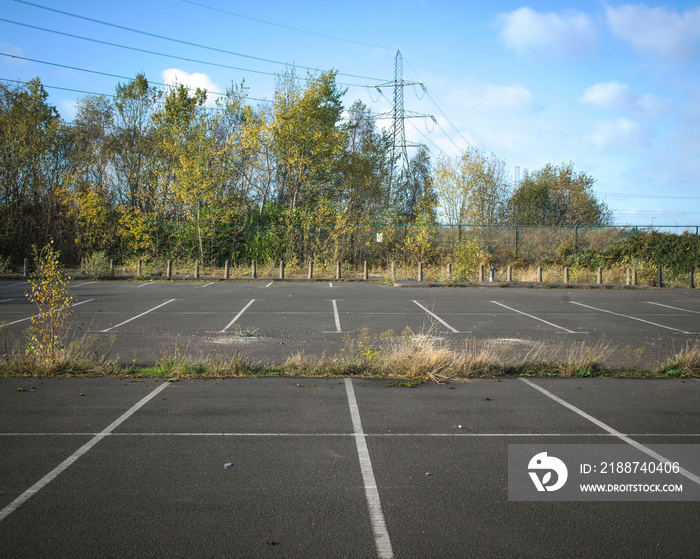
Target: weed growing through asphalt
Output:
[{"x": 49, "y": 291}]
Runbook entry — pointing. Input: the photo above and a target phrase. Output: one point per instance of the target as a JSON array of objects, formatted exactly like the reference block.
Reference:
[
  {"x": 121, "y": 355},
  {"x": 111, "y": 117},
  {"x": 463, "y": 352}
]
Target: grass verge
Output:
[{"x": 416, "y": 358}]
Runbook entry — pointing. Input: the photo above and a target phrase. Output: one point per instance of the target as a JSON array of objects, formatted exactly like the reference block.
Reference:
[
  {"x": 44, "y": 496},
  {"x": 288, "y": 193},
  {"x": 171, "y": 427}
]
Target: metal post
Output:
[
  {"x": 516, "y": 241},
  {"x": 492, "y": 274}
]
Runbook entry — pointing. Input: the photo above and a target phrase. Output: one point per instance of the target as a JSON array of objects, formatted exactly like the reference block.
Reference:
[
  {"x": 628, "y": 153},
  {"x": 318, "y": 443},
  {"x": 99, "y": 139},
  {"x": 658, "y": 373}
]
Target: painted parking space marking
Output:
[
  {"x": 145, "y": 284},
  {"x": 436, "y": 317},
  {"x": 632, "y": 318},
  {"x": 7, "y": 300},
  {"x": 53, "y": 474},
  {"x": 83, "y": 284},
  {"x": 655, "y": 455},
  {"x": 235, "y": 318},
  {"x": 379, "y": 529},
  {"x": 335, "y": 314},
  {"x": 205, "y": 285},
  {"x": 30, "y": 317},
  {"x": 674, "y": 308},
  {"x": 137, "y": 316},
  {"x": 537, "y": 318}
]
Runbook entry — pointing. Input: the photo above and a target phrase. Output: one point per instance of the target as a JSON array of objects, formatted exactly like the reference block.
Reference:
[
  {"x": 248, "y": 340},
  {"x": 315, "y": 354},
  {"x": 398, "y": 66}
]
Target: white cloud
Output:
[
  {"x": 661, "y": 31},
  {"x": 173, "y": 76},
  {"x": 560, "y": 35},
  {"x": 617, "y": 96},
  {"x": 622, "y": 134},
  {"x": 487, "y": 96}
]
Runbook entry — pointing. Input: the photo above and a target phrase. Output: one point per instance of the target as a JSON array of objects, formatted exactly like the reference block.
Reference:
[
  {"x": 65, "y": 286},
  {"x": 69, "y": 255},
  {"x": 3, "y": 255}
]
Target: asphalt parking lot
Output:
[
  {"x": 283, "y": 467},
  {"x": 145, "y": 322}
]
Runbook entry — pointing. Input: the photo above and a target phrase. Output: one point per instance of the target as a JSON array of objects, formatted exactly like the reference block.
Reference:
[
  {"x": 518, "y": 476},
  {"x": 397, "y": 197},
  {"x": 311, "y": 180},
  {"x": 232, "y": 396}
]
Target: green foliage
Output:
[
  {"x": 97, "y": 265},
  {"x": 49, "y": 291},
  {"x": 468, "y": 256},
  {"x": 674, "y": 252}
]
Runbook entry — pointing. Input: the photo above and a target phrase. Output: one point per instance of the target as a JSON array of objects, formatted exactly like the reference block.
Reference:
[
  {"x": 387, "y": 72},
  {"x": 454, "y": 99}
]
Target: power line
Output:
[
  {"x": 77, "y": 69},
  {"x": 648, "y": 196},
  {"x": 287, "y": 26},
  {"x": 179, "y": 41}
]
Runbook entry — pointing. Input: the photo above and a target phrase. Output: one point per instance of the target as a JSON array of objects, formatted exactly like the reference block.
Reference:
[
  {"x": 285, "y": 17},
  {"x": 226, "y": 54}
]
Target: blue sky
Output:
[{"x": 613, "y": 87}]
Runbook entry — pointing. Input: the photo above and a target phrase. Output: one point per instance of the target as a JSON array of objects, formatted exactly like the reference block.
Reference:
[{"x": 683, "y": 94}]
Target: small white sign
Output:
[{"x": 380, "y": 237}]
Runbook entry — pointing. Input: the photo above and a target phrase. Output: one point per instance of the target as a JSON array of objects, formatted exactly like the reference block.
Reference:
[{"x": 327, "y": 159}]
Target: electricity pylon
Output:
[{"x": 399, "y": 147}]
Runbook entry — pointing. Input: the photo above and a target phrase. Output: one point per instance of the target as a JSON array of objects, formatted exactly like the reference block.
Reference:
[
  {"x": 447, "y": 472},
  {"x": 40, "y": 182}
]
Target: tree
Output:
[
  {"x": 557, "y": 196},
  {"x": 135, "y": 145},
  {"x": 472, "y": 189},
  {"x": 34, "y": 145},
  {"x": 414, "y": 195},
  {"x": 307, "y": 141}
]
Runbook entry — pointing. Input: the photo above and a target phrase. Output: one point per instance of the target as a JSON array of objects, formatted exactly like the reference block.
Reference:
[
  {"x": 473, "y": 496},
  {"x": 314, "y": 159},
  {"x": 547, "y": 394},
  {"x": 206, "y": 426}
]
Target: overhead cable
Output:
[{"x": 179, "y": 41}]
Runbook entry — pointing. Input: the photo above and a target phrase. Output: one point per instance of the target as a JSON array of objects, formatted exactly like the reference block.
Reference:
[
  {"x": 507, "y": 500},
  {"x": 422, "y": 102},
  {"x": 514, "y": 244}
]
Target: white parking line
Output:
[
  {"x": 536, "y": 318},
  {"x": 7, "y": 300},
  {"x": 30, "y": 317},
  {"x": 48, "y": 478},
  {"x": 205, "y": 285},
  {"x": 145, "y": 284},
  {"x": 436, "y": 317},
  {"x": 269, "y": 284},
  {"x": 631, "y": 318},
  {"x": 82, "y": 284},
  {"x": 235, "y": 318},
  {"x": 335, "y": 313},
  {"x": 656, "y": 456},
  {"x": 381, "y": 534},
  {"x": 670, "y": 307},
  {"x": 137, "y": 316}
]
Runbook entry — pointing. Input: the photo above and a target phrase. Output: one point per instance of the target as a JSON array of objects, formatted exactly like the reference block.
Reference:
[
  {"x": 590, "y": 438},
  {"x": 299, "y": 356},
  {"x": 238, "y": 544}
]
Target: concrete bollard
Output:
[
  {"x": 481, "y": 272},
  {"x": 509, "y": 274},
  {"x": 26, "y": 267},
  {"x": 492, "y": 274},
  {"x": 138, "y": 270},
  {"x": 196, "y": 270},
  {"x": 365, "y": 273},
  {"x": 337, "y": 270},
  {"x": 393, "y": 271},
  {"x": 227, "y": 269},
  {"x": 634, "y": 276},
  {"x": 420, "y": 271},
  {"x": 628, "y": 277},
  {"x": 566, "y": 274},
  {"x": 539, "y": 274},
  {"x": 692, "y": 277},
  {"x": 311, "y": 269},
  {"x": 169, "y": 269},
  {"x": 599, "y": 276},
  {"x": 449, "y": 272},
  {"x": 281, "y": 269},
  {"x": 254, "y": 269},
  {"x": 111, "y": 267}
]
